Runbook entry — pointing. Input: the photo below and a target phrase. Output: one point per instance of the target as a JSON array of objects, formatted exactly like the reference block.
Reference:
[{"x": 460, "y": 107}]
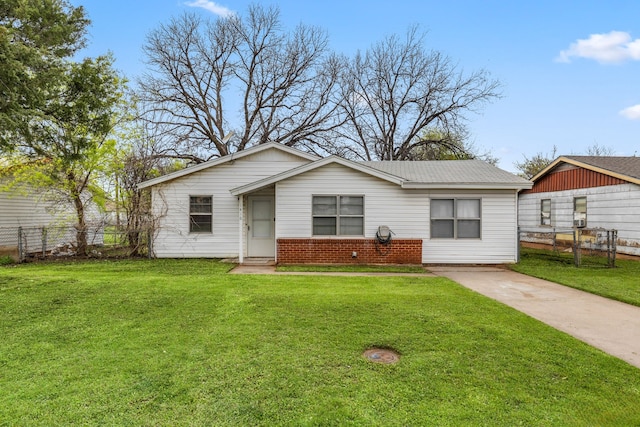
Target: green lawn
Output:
[
  {"x": 621, "y": 283},
  {"x": 179, "y": 342},
  {"x": 412, "y": 269}
]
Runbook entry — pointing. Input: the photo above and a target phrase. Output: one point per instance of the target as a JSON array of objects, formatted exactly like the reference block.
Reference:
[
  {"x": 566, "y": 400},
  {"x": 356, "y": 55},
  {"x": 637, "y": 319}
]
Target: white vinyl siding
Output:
[
  {"x": 384, "y": 203},
  {"x": 498, "y": 231},
  {"x": 17, "y": 210},
  {"x": 171, "y": 205},
  {"x": 405, "y": 212},
  {"x": 609, "y": 207}
]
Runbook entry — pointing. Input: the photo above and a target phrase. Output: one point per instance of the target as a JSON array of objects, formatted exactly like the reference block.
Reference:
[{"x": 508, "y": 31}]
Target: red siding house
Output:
[{"x": 590, "y": 192}]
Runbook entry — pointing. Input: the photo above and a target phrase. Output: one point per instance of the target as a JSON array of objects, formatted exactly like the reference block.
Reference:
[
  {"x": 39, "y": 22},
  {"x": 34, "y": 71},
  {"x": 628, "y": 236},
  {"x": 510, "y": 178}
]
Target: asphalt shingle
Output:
[{"x": 447, "y": 172}]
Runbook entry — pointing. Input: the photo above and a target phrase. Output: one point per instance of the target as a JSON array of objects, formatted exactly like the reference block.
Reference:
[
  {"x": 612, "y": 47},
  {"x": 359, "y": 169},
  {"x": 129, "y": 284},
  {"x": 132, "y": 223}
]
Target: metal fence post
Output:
[
  {"x": 576, "y": 247},
  {"x": 519, "y": 244},
  {"x": 20, "y": 250},
  {"x": 614, "y": 247},
  {"x": 44, "y": 242}
]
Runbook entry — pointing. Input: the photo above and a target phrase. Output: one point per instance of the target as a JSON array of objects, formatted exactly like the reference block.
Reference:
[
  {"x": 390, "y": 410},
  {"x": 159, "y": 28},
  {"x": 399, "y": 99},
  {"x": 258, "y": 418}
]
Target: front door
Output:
[{"x": 261, "y": 226}]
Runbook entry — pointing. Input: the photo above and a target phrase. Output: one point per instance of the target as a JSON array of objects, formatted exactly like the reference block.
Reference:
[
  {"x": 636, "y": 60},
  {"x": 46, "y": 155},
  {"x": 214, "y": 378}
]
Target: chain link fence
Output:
[
  {"x": 589, "y": 247},
  {"x": 103, "y": 241}
]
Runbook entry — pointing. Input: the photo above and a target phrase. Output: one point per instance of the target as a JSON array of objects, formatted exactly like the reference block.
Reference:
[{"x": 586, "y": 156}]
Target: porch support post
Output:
[{"x": 241, "y": 229}]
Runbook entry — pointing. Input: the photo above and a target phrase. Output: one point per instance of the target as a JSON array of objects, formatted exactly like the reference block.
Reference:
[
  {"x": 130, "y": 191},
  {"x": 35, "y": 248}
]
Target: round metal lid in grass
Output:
[{"x": 381, "y": 355}]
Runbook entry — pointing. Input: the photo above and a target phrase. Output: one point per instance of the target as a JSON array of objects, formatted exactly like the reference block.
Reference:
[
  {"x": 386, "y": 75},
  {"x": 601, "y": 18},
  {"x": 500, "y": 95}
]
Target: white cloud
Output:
[
  {"x": 631, "y": 113},
  {"x": 211, "y": 7},
  {"x": 611, "y": 48}
]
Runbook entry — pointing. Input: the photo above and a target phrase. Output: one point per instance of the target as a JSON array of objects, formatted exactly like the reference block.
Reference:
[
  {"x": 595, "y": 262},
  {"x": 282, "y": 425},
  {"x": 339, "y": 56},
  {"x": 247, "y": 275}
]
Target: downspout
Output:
[{"x": 241, "y": 229}]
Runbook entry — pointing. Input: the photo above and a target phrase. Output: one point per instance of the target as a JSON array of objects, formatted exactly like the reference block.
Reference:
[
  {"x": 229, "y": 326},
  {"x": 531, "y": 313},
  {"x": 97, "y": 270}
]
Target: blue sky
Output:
[{"x": 570, "y": 69}]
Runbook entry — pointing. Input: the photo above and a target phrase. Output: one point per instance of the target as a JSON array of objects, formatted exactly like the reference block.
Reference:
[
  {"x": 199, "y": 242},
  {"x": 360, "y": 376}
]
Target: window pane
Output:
[
  {"x": 351, "y": 226},
  {"x": 441, "y": 208},
  {"x": 468, "y": 229},
  {"x": 350, "y": 205},
  {"x": 545, "y": 212},
  {"x": 261, "y": 228},
  {"x": 468, "y": 208},
  {"x": 546, "y": 205},
  {"x": 200, "y": 223},
  {"x": 200, "y": 204},
  {"x": 581, "y": 204},
  {"x": 442, "y": 228},
  {"x": 324, "y": 226},
  {"x": 324, "y": 205}
]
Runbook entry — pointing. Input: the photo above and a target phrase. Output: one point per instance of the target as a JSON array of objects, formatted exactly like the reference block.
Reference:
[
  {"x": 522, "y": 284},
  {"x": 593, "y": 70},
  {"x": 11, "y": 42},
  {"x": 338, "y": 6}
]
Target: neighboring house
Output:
[
  {"x": 589, "y": 192},
  {"x": 28, "y": 213},
  {"x": 277, "y": 202}
]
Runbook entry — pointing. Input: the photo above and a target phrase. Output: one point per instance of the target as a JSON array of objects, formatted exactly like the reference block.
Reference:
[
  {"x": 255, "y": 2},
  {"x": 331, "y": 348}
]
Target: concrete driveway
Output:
[{"x": 611, "y": 326}]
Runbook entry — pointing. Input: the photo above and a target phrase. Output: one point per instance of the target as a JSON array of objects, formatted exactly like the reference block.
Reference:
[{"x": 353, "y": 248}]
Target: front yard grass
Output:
[
  {"x": 417, "y": 269},
  {"x": 621, "y": 283},
  {"x": 179, "y": 342}
]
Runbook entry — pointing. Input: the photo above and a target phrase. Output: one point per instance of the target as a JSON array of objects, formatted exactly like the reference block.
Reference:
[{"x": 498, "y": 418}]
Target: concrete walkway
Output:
[{"x": 608, "y": 325}]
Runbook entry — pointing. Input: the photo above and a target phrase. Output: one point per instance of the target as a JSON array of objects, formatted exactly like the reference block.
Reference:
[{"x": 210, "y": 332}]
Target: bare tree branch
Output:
[{"x": 397, "y": 89}]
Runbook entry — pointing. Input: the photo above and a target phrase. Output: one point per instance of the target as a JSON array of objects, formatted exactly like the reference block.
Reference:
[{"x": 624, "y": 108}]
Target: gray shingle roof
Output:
[
  {"x": 629, "y": 166},
  {"x": 448, "y": 172}
]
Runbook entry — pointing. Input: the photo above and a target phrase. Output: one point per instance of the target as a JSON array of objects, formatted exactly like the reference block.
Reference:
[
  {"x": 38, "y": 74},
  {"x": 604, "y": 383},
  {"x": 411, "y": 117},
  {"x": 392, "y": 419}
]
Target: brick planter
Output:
[{"x": 340, "y": 251}]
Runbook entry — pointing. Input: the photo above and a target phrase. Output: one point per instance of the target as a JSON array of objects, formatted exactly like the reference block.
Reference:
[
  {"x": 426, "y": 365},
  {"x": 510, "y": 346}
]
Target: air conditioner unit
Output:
[{"x": 579, "y": 223}]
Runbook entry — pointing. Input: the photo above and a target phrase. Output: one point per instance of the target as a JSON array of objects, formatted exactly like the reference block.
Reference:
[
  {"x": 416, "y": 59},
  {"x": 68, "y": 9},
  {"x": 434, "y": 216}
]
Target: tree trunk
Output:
[{"x": 81, "y": 227}]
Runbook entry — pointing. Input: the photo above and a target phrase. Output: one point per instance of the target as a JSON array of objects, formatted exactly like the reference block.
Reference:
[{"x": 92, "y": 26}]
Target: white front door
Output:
[{"x": 261, "y": 227}]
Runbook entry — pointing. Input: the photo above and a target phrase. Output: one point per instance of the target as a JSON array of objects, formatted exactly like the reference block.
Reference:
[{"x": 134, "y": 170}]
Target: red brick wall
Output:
[{"x": 339, "y": 251}]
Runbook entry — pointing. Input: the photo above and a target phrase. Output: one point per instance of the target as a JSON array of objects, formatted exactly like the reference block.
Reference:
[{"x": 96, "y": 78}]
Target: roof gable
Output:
[
  {"x": 312, "y": 166},
  {"x": 226, "y": 159},
  {"x": 623, "y": 168}
]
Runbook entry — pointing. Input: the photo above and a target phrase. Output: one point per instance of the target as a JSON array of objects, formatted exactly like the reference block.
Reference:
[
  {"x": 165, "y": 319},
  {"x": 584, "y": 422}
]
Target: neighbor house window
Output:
[
  {"x": 455, "y": 218},
  {"x": 580, "y": 211},
  {"x": 338, "y": 215},
  {"x": 545, "y": 212},
  {"x": 200, "y": 214}
]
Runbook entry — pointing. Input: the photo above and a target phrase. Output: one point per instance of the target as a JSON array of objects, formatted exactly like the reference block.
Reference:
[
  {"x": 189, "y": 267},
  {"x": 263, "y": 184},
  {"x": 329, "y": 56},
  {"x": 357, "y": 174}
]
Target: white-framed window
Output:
[
  {"x": 580, "y": 211},
  {"x": 545, "y": 212},
  {"x": 338, "y": 215},
  {"x": 200, "y": 214},
  {"x": 456, "y": 218}
]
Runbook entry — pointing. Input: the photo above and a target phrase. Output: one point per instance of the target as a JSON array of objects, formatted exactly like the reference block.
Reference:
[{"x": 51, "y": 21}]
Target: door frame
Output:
[{"x": 257, "y": 246}]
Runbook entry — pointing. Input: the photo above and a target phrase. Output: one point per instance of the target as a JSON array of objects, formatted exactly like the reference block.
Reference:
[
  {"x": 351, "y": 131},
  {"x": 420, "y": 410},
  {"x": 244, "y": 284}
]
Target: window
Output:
[
  {"x": 455, "y": 218},
  {"x": 200, "y": 214},
  {"x": 545, "y": 212},
  {"x": 580, "y": 211},
  {"x": 338, "y": 215}
]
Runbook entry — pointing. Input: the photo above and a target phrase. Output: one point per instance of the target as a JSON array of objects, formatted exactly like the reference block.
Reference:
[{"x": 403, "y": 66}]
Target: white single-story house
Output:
[
  {"x": 587, "y": 192},
  {"x": 277, "y": 202}
]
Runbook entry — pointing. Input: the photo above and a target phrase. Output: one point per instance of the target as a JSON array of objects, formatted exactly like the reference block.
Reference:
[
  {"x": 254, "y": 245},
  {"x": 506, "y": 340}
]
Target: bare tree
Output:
[
  {"x": 397, "y": 89},
  {"x": 599, "y": 150},
  {"x": 239, "y": 75}
]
